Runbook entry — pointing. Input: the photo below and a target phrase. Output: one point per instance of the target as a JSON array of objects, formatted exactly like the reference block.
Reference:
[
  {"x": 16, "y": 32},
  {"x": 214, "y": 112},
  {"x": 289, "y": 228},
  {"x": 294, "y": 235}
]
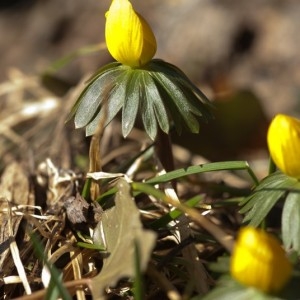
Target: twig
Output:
[
  {"x": 69, "y": 285},
  {"x": 225, "y": 239},
  {"x": 163, "y": 282}
]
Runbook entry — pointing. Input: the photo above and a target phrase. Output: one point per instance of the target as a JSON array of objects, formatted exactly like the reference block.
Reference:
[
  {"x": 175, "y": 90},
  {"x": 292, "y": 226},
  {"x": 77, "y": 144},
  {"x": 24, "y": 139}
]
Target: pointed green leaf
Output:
[
  {"x": 93, "y": 96},
  {"x": 185, "y": 81},
  {"x": 111, "y": 104},
  {"x": 131, "y": 102},
  {"x": 160, "y": 92},
  {"x": 264, "y": 197},
  {"x": 197, "y": 101},
  {"x": 198, "y": 108},
  {"x": 259, "y": 207},
  {"x": 291, "y": 221},
  {"x": 89, "y": 82},
  {"x": 171, "y": 108},
  {"x": 178, "y": 99},
  {"x": 153, "y": 97},
  {"x": 147, "y": 111}
]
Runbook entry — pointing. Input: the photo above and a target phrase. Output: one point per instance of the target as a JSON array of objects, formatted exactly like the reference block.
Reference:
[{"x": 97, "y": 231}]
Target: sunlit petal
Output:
[
  {"x": 284, "y": 144},
  {"x": 259, "y": 261},
  {"x": 129, "y": 38}
]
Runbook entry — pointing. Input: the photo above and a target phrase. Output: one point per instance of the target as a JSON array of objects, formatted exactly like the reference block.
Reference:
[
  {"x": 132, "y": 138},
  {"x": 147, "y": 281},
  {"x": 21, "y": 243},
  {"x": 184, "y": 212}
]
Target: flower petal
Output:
[
  {"x": 259, "y": 261},
  {"x": 129, "y": 38},
  {"x": 284, "y": 144}
]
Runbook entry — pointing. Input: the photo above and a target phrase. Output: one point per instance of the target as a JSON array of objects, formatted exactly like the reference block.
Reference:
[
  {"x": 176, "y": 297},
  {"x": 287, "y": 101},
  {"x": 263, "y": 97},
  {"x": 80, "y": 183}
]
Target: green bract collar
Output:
[{"x": 159, "y": 93}]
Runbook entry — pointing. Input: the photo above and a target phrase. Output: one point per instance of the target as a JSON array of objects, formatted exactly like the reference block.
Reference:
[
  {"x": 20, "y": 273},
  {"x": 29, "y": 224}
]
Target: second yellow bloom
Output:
[
  {"x": 259, "y": 261},
  {"x": 284, "y": 144}
]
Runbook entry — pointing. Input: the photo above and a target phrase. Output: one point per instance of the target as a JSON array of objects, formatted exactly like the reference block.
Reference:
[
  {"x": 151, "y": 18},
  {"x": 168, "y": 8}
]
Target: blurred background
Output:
[{"x": 244, "y": 55}]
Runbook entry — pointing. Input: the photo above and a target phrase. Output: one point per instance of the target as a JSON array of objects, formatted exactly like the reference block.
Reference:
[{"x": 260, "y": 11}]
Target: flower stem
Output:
[
  {"x": 163, "y": 149},
  {"x": 272, "y": 166}
]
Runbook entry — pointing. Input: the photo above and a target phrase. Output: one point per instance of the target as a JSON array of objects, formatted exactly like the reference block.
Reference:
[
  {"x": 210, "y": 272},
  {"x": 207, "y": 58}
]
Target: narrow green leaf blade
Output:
[
  {"x": 259, "y": 207},
  {"x": 177, "y": 98},
  {"x": 271, "y": 189},
  {"x": 131, "y": 102},
  {"x": 92, "y": 97},
  {"x": 291, "y": 221},
  {"x": 148, "y": 115},
  {"x": 112, "y": 102},
  {"x": 56, "y": 277},
  {"x": 154, "y": 98},
  {"x": 209, "y": 167}
]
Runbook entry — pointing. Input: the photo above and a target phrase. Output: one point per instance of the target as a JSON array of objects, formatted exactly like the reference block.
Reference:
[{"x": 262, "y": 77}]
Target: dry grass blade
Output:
[
  {"x": 14, "y": 190},
  {"x": 16, "y": 258},
  {"x": 77, "y": 264},
  {"x": 52, "y": 259}
]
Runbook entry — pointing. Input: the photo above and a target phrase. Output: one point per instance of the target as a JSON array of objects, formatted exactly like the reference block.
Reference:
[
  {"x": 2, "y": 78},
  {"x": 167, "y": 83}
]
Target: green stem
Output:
[
  {"x": 138, "y": 282},
  {"x": 86, "y": 189},
  {"x": 252, "y": 175},
  {"x": 272, "y": 166},
  {"x": 163, "y": 148}
]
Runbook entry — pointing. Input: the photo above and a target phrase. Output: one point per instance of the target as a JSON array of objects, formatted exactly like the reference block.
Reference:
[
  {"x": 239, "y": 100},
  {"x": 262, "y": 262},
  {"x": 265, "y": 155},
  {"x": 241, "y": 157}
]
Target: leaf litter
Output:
[
  {"x": 43, "y": 166},
  {"x": 122, "y": 228}
]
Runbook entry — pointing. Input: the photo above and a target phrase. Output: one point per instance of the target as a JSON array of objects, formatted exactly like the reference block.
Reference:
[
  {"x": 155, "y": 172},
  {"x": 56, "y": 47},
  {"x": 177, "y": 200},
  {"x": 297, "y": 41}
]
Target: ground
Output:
[{"x": 243, "y": 56}]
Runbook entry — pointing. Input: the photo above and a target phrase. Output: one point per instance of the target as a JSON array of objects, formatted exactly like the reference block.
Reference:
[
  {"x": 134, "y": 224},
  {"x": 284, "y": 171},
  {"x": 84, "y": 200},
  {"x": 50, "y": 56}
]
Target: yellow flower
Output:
[
  {"x": 129, "y": 38},
  {"x": 259, "y": 261},
  {"x": 284, "y": 144}
]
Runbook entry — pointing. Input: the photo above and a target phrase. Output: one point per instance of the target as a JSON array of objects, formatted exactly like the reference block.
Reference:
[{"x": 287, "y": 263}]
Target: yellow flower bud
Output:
[
  {"x": 259, "y": 261},
  {"x": 284, "y": 144},
  {"x": 129, "y": 38}
]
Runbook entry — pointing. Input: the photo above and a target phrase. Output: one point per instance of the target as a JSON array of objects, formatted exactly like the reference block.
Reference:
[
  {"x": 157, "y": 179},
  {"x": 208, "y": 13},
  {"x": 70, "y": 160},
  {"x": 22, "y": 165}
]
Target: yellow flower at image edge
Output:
[
  {"x": 259, "y": 261},
  {"x": 129, "y": 38},
  {"x": 284, "y": 144}
]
